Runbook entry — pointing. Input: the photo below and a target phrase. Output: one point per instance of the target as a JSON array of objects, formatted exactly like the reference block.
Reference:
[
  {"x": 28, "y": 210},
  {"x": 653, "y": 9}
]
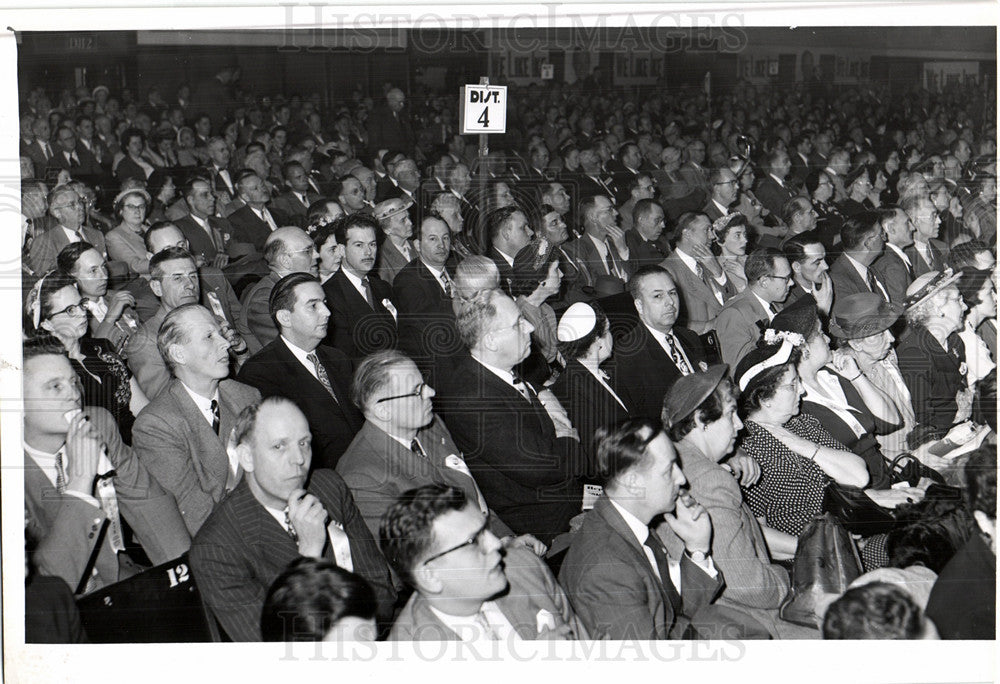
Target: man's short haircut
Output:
[
  {"x": 717, "y": 177},
  {"x": 963, "y": 256},
  {"x": 497, "y": 219},
  {"x": 273, "y": 248},
  {"x": 58, "y": 192},
  {"x": 685, "y": 221},
  {"x": 911, "y": 203},
  {"x": 372, "y": 375},
  {"x": 634, "y": 284},
  {"x": 761, "y": 262},
  {"x": 981, "y": 481},
  {"x": 42, "y": 344},
  {"x": 476, "y": 315},
  {"x": 586, "y": 206},
  {"x": 794, "y": 248},
  {"x": 242, "y": 177},
  {"x": 172, "y": 253},
  {"x": 173, "y": 331},
  {"x": 621, "y": 449},
  {"x": 310, "y": 597},
  {"x": 283, "y": 296},
  {"x": 246, "y": 422},
  {"x": 407, "y": 530},
  {"x": 70, "y": 254},
  {"x": 355, "y": 221},
  {"x": 634, "y": 184},
  {"x": 793, "y": 207},
  {"x": 289, "y": 165},
  {"x": 857, "y": 228},
  {"x": 878, "y": 610},
  {"x": 188, "y": 188},
  {"x": 418, "y": 228},
  {"x": 147, "y": 237}
]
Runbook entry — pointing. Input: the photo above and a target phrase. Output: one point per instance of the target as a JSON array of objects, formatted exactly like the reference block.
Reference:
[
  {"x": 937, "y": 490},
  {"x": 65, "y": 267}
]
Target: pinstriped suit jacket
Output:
[{"x": 241, "y": 549}]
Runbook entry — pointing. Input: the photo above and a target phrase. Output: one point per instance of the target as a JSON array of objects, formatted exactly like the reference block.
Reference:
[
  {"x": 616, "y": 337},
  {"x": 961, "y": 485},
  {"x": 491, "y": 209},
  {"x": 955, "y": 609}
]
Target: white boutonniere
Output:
[
  {"x": 963, "y": 369},
  {"x": 390, "y": 308}
]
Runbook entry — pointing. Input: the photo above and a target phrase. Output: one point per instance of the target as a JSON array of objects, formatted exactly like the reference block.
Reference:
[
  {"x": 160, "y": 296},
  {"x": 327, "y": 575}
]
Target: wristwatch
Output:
[{"x": 697, "y": 556}]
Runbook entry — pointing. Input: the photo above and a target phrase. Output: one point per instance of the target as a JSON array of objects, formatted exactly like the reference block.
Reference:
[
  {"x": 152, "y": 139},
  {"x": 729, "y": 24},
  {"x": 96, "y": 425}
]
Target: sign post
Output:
[{"x": 482, "y": 111}]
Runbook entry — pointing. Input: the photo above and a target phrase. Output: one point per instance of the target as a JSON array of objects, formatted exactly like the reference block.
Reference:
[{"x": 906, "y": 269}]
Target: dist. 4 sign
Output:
[{"x": 484, "y": 109}]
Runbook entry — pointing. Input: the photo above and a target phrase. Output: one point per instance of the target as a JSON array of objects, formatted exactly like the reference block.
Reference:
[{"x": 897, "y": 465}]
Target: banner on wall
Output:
[{"x": 938, "y": 75}]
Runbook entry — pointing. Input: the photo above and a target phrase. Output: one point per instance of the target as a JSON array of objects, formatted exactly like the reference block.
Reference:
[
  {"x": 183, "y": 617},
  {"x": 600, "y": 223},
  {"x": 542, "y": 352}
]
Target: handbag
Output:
[
  {"x": 826, "y": 562},
  {"x": 855, "y": 511}
]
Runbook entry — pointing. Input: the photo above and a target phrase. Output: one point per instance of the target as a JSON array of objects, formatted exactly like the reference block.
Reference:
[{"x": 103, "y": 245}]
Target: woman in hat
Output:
[
  {"x": 980, "y": 297},
  {"x": 731, "y": 244},
  {"x": 587, "y": 392},
  {"x": 536, "y": 277},
  {"x": 820, "y": 188},
  {"x": 700, "y": 413},
  {"x": 858, "y": 186},
  {"x": 931, "y": 360},
  {"x": 125, "y": 243}
]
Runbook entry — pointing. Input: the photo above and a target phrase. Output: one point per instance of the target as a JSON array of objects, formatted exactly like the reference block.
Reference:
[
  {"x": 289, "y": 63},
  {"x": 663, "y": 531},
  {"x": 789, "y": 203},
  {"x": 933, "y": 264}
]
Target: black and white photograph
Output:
[{"x": 499, "y": 341}]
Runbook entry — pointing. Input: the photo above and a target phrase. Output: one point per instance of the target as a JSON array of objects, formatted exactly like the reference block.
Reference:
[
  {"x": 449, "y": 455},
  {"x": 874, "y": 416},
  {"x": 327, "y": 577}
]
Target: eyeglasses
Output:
[
  {"x": 418, "y": 392},
  {"x": 73, "y": 309},
  {"x": 785, "y": 278},
  {"x": 134, "y": 207},
  {"x": 728, "y": 182},
  {"x": 475, "y": 540}
]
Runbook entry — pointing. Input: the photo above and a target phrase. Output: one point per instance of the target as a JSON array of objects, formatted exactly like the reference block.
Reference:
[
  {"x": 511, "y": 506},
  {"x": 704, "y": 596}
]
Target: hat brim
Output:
[
  {"x": 690, "y": 401},
  {"x": 867, "y": 326},
  {"x": 950, "y": 280}
]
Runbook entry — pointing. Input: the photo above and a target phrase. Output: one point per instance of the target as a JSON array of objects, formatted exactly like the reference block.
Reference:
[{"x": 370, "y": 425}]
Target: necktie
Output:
[
  {"x": 416, "y": 448},
  {"x": 73, "y": 160},
  {"x": 709, "y": 281},
  {"x": 520, "y": 385},
  {"x": 48, "y": 152},
  {"x": 488, "y": 632},
  {"x": 60, "y": 473},
  {"x": 289, "y": 528},
  {"x": 656, "y": 546},
  {"x": 447, "y": 284},
  {"x": 874, "y": 286},
  {"x": 369, "y": 297},
  {"x": 321, "y": 374},
  {"x": 676, "y": 356},
  {"x": 302, "y": 198},
  {"x": 215, "y": 416}
]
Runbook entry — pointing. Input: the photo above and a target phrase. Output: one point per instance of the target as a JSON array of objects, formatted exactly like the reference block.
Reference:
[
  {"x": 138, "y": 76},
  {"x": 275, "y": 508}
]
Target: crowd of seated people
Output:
[{"x": 596, "y": 384}]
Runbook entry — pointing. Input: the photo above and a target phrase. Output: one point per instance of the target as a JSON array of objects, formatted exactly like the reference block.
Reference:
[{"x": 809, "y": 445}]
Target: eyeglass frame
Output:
[
  {"x": 81, "y": 305},
  {"x": 474, "y": 540},
  {"x": 419, "y": 392}
]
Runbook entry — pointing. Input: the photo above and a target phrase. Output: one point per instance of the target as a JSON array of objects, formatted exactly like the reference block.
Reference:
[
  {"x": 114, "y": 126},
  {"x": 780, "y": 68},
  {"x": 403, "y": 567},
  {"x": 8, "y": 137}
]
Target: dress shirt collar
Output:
[
  {"x": 777, "y": 180},
  {"x": 46, "y": 461},
  {"x": 356, "y": 281},
  {"x": 724, "y": 210},
  {"x": 638, "y": 527},
  {"x": 601, "y": 245},
  {"x": 900, "y": 253},
  {"x": 204, "y": 404},
  {"x": 688, "y": 260},
  {"x": 71, "y": 235},
  {"x": 764, "y": 305},
  {"x": 466, "y": 628},
  {"x": 859, "y": 267},
  {"x": 508, "y": 259},
  {"x": 300, "y": 354}
]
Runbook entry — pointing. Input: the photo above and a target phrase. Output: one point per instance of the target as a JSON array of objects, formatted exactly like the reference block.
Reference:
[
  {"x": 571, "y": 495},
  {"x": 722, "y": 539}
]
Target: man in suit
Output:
[
  {"x": 725, "y": 190},
  {"x": 208, "y": 236},
  {"x": 894, "y": 267},
  {"x": 422, "y": 292},
  {"x": 630, "y": 159},
  {"x": 591, "y": 180},
  {"x": 295, "y": 365},
  {"x": 74, "y": 158},
  {"x": 801, "y": 162},
  {"x": 64, "y": 455},
  {"x": 602, "y": 250},
  {"x": 402, "y": 444},
  {"x": 772, "y": 190},
  {"x": 364, "y": 316},
  {"x": 676, "y": 196},
  {"x": 617, "y": 573},
  {"x": 223, "y": 181},
  {"x": 638, "y": 188},
  {"x": 67, "y": 208},
  {"x": 351, "y": 195},
  {"x": 181, "y": 435},
  {"x": 647, "y": 244},
  {"x": 287, "y": 250},
  {"x": 692, "y": 172},
  {"x": 652, "y": 355},
  {"x": 467, "y": 586},
  {"x": 692, "y": 267},
  {"x": 397, "y": 249},
  {"x": 807, "y": 257},
  {"x": 40, "y": 149},
  {"x": 927, "y": 253},
  {"x": 862, "y": 239},
  {"x": 254, "y": 222},
  {"x": 294, "y": 202},
  {"x": 769, "y": 277},
  {"x": 277, "y": 513},
  {"x": 526, "y": 461},
  {"x": 508, "y": 234},
  {"x": 389, "y": 126}
]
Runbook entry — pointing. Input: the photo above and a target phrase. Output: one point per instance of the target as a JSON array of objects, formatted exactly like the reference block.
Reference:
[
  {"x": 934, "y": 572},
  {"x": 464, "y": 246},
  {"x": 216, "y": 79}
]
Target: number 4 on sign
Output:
[{"x": 484, "y": 118}]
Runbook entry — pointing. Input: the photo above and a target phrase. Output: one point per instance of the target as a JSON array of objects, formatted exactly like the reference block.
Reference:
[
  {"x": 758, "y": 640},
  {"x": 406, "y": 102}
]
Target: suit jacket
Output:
[
  {"x": 128, "y": 169},
  {"x": 180, "y": 449},
  {"x": 247, "y": 227},
  {"x": 290, "y": 206},
  {"x": 644, "y": 371},
  {"x": 696, "y": 177},
  {"x": 144, "y": 358},
  {"x": 241, "y": 549},
  {"x": 214, "y": 284},
  {"x": 588, "y": 404},
  {"x": 933, "y": 376},
  {"x": 46, "y": 247},
  {"x": 527, "y": 474},
  {"x": 938, "y": 254},
  {"x": 427, "y": 328},
  {"x": 894, "y": 274},
  {"x": 128, "y": 247},
  {"x": 847, "y": 280},
  {"x": 274, "y": 370},
  {"x": 964, "y": 598},
  {"x": 38, "y": 156},
  {"x": 583, "y": 251},
  {"x": 199, "y": 240},
  {"x": 700, "y": 305},
  {"x": 256, "y": 316},
  {"x": 391, "y": 261},
  {"x": 88, "y": 169},
  {"x": 588, "y": 187},
  {"x": 67, "y": 526},
  {"x": 505, "y": 269},
  {"x": 772, "y": 195},
  {"x": 737, "y": 326},
  {"x": 389, "y": 131},
  {"x": 378, "y": 469},
  {"x": 613, "y": 588},
  {"x": 355, "y": 328},
  {"x": 643, "y": 252},
  {"x": 532, "y": 588}
]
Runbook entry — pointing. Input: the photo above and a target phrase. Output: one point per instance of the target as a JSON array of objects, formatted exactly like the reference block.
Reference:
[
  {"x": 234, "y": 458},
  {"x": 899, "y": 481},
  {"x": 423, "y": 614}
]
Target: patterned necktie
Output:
[
  {"x": 60, "y": 473},
  {"x": 520, "y": 385},
  {"x": 289, "y": 528},
  {"x": 215, "y": 416},
  {"x": 416, "y": 448},
  {"x": 656, "y": 546},
  {"x": 321, "y": 373},
  {"x": 676, "y": 356},
  {"x": 873, "y": 285},
  {"x": 489, "y": 633},
  {"x": 447, "y": 283},
  {"x": 709, "y": 281},
  {"x": 369, "y": 297}
]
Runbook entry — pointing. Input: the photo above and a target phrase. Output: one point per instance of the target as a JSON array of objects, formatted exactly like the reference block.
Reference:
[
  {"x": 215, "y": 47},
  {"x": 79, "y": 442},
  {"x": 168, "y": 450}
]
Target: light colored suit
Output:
[
  {"x": 700, "y": 305},
  {"x": 144, "y": 358},
  {"x": 67, "y": 526},
  {"x": 46, "y": 247},
  {"x": 256, "y": 316},
  {"x": 532, "y": 589},
  {"x": 391, "y": 261},
  {"x": 177, "y": 445},
  {"x": 127, "y": 246},
  {"x": 378, "y": 469},
  {"x": 737, "y": 326}
]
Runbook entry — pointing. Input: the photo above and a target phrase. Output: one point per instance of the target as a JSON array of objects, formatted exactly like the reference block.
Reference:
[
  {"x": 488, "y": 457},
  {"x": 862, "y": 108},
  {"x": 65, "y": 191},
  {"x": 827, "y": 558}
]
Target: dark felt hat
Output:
[
  {"x": 862, "y": 315},
  {"x": 689, "y": 391}
]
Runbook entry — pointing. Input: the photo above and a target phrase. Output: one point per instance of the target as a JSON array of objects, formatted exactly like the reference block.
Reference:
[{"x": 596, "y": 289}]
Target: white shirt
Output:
[
  {"x": 224, "y": 175},
  {"x": 357, "y": 283},
  {"x": 977, "y": 356},
  {"x": 766, "y": 306},
  {"x": 661, "y": 338},
  {"x": 508, "y": 259},
  {"x": 205, "y": 226},
  {"x": 301, "y": 355},
  {"x": 777, "y": 180},
  {"x": 205, "y": 406},
  {"x": 265, "y": 216},
  {"x": 831, "y": 395},
  {"x": 98, "y": 308},
  {"x": 641, "y": 532},
  {"x": 724, "y": 210},
  {"x": 693, "y": 264},
  {"x": 72, "y": 236},
  {"x": 901, "y": 253},
  {"x": 468, "y": 630},
  {"x": 47, "y": 462},
  {"x": 924, "y": 250},
  {"x": 437, "y": 275},
  {"x": 339, "y": 542}
]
